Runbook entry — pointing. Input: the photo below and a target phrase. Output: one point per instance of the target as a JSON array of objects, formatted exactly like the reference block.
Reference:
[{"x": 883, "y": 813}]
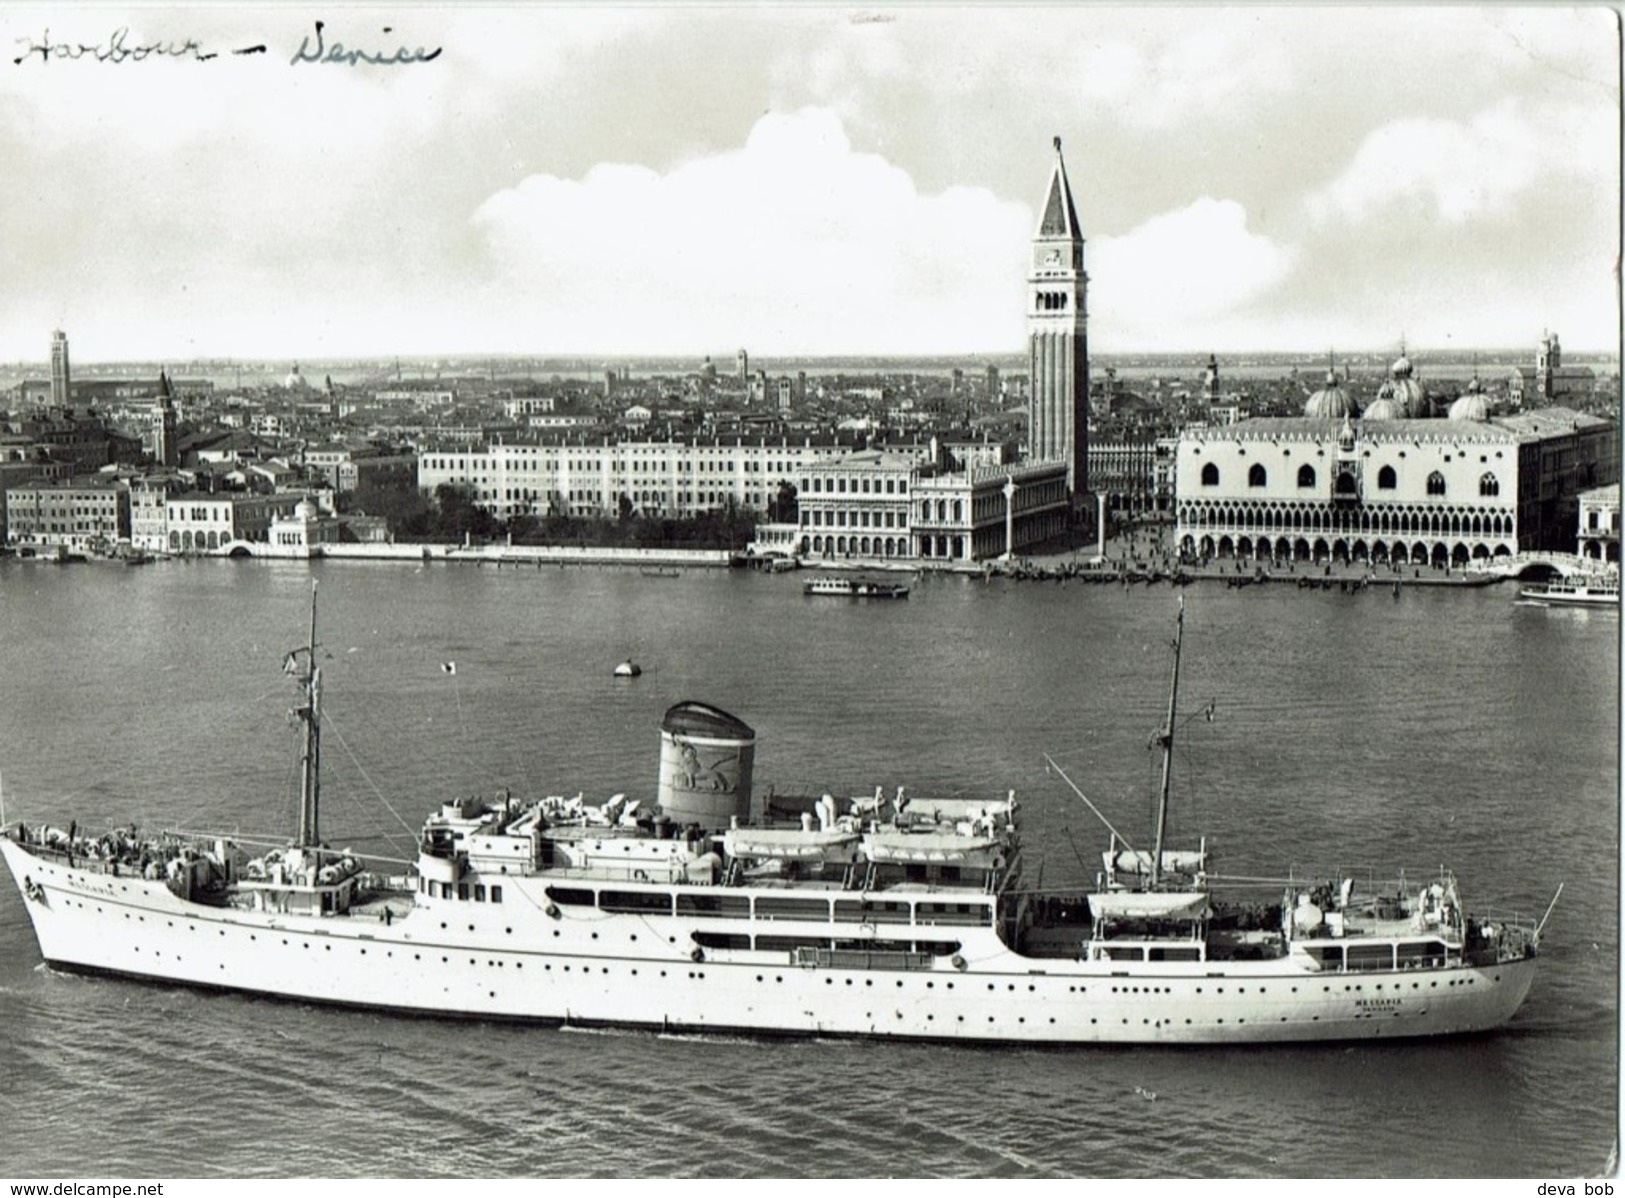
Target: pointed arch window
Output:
[
  {"x": 1435, "y": 483},
  {"x": 1306, "y": 475},
  {"x": 1488, "y": 485},
  {"x": 1387, "y": 480},
  {"x": 1210, "y": 475}
]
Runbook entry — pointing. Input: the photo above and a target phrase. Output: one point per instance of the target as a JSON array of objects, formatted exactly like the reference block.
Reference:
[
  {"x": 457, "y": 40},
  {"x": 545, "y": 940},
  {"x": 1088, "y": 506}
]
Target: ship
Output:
[
  {"x": 857, "y": 588},
  {"x": 886, "y": 914},
  {"x": 1583, "y": 590}
]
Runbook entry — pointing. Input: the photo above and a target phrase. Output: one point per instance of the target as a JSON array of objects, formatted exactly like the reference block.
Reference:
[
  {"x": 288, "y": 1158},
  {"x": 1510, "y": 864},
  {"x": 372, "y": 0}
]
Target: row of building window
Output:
[
  {"x": 1387, "y": 479},
  {"x": 1319, "y": 519},
  {"x": 860, "y": 486},
  {"x": 860, "y": 519}
]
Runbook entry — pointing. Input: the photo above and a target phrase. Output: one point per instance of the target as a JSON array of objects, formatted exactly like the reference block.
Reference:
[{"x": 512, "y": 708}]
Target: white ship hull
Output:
[{"x": 516, "y": 961}]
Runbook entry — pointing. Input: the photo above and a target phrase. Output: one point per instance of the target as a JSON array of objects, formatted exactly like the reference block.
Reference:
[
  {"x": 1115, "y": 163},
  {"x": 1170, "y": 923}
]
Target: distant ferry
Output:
[
  {"x": 857, "y": 588},
  {"x": 1578, "y": 591}
]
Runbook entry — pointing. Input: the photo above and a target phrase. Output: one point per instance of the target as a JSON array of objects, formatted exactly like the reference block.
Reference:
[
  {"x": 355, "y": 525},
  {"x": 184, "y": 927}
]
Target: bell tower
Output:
[{"x": 1058, "y": 336}]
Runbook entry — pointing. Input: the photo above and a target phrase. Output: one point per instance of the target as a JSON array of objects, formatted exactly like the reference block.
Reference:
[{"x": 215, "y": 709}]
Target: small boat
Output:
[
  {"x": 1581, "y": 590},
  {"x": 857, "y": 588},
  {"x": 660, "y": 572},
  {"x": 628, "y": 669}
]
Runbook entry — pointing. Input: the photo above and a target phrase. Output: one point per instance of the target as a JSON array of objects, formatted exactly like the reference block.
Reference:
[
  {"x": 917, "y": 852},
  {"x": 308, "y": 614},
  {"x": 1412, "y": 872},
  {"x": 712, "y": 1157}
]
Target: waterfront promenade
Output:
[
  {"x": 1129, "y": 559},
  {"x": 1138, "y": 555}
]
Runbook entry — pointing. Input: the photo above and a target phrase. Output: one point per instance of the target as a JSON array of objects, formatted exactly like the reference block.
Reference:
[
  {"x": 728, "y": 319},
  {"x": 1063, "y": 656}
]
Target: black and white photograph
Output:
[{"x": 731, "y": 591}]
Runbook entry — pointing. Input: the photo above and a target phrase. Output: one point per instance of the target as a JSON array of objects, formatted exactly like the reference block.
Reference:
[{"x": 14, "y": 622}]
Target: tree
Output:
[
  {"x": 783, "y": 508},
  {"x": 397, "y": 500}
]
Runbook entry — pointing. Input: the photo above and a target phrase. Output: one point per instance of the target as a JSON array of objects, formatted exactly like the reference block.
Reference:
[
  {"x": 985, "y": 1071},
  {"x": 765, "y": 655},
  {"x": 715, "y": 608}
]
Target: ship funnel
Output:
[{"x": 706, "y": 757}]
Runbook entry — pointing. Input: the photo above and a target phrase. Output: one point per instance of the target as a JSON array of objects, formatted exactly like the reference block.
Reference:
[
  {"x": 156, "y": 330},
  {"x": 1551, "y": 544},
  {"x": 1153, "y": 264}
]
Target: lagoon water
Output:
[{"x": 1441, "y": 726}]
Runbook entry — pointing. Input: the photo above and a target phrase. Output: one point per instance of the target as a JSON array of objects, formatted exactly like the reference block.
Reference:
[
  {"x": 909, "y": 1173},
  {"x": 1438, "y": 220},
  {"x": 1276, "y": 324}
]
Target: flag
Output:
[{"x": 448, "y": 667}]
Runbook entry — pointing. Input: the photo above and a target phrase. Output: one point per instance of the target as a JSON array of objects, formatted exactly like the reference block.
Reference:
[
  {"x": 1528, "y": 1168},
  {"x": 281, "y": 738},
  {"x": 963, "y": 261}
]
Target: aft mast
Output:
[
  {"x": 310, "y": 712},
  {"x": 1166, "y": 739}
]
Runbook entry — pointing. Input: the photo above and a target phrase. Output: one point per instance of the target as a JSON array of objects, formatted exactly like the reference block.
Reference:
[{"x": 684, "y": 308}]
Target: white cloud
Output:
[
  {"x": 1208, "y": 74},
  {"x": 1458, "y": 171},
  {"x": 794, "y": 242},
  {"x": 1191, "y": 267}
]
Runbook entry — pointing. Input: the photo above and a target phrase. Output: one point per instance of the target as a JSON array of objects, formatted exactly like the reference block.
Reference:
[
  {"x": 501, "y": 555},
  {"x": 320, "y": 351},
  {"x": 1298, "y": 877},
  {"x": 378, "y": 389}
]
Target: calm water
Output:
[{"x": 1443, "y": 726}]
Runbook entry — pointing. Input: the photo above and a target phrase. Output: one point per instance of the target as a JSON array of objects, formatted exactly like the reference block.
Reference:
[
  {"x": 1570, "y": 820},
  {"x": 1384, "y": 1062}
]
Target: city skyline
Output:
[{"x": 809, "y": 182}]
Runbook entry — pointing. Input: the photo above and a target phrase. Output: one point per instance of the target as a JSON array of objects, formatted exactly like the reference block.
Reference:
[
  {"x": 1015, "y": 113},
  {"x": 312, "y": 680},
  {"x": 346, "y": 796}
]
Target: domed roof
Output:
[
  {"x": 1383, "y": 408},
  {"x": 295, "y": 381},
  {"x": 1410, "y": 395},
  {"x": 1410, "y": 398},
  {"x": 1471, "y": 406},
  {"x": 306, "y": 509},
  {"x": 1331, "y": 402}
]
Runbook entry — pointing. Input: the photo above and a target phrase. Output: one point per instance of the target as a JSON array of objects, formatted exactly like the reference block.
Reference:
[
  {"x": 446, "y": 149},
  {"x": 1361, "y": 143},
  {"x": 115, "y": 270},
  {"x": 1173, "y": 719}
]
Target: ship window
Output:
[
  {"x": 635, "y": 901},
  {"x": 872, "y": 946},
  {"x": 496, "y": 894},
  {"x": 1371, "y": 956},
  {"x": 479, "y": 893},
  {"x": 938, "y": 948},
  {"x": 1421, "y": 952},
  {"x": 1176, "y": 954},
  {"x": 855, "y": 912},
  {"x": 724, "y": 906},
  {"x": 971, "y": 914},
  {"x": 788, "y": 944},
  {"x": 775, "y": 907},
  {"x": 1330, "y": 956},
  {"x": 462, "y": 891},
  {"x": 570, "y": 896},
  {"x": 1118, "y": 952},
  {"x": 721, "y": 940}
]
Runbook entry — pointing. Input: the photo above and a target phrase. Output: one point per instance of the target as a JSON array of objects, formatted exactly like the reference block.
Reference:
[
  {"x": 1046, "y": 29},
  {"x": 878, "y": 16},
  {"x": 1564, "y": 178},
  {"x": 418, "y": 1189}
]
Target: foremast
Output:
[{"x": 310, "y": 714}]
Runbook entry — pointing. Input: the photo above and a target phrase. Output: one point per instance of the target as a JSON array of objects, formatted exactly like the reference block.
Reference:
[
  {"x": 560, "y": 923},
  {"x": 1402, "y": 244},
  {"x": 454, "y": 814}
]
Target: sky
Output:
[{"x": 801, "y": 180}]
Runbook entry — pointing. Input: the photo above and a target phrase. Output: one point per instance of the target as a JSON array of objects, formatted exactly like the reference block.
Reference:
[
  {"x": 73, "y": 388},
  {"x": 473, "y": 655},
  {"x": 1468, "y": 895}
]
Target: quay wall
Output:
[{"x": 577, "y": 555}]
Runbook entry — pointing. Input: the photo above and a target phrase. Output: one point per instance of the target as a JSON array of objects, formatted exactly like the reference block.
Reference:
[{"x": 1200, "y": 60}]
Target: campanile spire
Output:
[{"x": 1058, "y": 335}]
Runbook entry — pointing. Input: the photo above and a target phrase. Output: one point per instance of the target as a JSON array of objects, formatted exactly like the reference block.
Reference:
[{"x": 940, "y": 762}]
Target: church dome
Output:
[
  {"x": 1383, "y": 408},
  {"x": 1331, "y": 402},
  {"x": 306, "y": 509},
  {"x": 295, "y": 381},
  {"x": 1410, "y": 398},
  {"x": 1471, "y": 406}
]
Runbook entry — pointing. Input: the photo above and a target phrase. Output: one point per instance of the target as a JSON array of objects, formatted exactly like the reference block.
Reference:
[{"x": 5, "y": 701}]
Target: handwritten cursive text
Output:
[
  {"x": 336, "y": 53},
  {"x": 116, "y": 49}
]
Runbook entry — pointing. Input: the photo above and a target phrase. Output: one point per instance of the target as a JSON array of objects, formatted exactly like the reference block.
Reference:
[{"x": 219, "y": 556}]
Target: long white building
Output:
[{"x": 661, "y": 478}]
